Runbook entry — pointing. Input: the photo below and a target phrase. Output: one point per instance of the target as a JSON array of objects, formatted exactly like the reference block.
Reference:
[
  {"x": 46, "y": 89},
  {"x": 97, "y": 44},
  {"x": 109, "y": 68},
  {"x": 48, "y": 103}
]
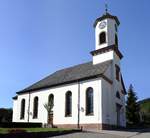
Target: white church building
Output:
[{"x": 88, "y": 95}]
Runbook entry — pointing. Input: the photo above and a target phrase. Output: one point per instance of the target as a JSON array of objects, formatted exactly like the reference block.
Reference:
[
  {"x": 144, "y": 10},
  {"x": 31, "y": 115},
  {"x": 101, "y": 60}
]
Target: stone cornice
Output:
[{"x": 107, "y": 49}]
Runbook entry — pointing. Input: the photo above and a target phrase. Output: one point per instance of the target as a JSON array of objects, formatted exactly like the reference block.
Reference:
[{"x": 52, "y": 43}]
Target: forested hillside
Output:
[{"x": 145, "y": 109}]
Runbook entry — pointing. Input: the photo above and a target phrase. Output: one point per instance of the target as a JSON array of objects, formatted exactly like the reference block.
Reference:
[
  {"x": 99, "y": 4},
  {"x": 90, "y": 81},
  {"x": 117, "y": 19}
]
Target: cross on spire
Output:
[{"x": 106, "y": 8}]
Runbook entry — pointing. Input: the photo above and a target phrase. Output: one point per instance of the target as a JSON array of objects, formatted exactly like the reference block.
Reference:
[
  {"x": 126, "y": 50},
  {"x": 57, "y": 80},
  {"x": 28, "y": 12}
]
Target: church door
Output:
[{"x": 118, "y": 107}]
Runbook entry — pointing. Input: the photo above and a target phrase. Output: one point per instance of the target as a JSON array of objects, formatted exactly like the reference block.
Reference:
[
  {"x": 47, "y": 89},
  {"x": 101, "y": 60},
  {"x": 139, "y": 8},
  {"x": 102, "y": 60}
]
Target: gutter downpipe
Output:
[
  {"x": 78, "y": 124},
  {"x": 29, "y": 108}
]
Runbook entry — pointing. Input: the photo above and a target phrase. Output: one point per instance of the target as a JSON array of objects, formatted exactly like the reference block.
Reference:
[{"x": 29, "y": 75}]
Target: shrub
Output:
[{"x": 20, "y": 125}]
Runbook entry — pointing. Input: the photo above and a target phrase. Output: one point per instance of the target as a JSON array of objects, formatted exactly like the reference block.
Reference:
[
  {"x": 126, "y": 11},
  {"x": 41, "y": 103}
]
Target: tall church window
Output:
[
  {"x": 102, "y": 38},
  {"x": 68, "y": 104},
  {"x": 89, "y": 101},
  {"x": 22, "y": 113},
  {"x": 118, "y": 95},
  {"x": 51, "y": 99},
  {"x": 117, "y": 72},
  {"x": 116, "y": 40},
  {"x": 35, "y": 107}
]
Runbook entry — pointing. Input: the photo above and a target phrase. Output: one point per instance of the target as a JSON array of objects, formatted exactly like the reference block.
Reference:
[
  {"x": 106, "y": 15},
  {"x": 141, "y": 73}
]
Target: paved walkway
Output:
[
  {"x": 88, "y": 135},
  {"x": 129, "y": 134},
  {"x": 109, "y": 134}
]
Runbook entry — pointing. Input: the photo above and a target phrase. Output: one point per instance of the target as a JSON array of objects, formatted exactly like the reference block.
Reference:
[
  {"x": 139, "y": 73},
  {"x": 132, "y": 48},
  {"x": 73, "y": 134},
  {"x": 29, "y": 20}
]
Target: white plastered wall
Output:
[
  {"x": 107, "y": 103},
  {"x": 14, "y": 118},
  {"x": 103, "y": 57},
  {"x": 118, "y": 87},
  {"x": 59, "y": 104},
  {"x": 96, "y": 118}
]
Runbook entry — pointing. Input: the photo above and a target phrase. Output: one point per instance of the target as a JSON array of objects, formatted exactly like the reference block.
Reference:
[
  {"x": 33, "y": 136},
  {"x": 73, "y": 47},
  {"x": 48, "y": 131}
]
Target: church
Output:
[{"x": 88, "y": 95}]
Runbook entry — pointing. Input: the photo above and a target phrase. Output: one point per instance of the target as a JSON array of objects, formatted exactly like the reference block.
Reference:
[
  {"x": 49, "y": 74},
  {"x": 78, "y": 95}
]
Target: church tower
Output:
[
  {"x": 107, "y": 49},
  {"x": 106, "y": 38}
]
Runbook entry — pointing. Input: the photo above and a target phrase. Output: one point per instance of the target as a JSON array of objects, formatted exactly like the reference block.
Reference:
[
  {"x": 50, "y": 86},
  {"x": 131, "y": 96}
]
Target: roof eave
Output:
[
  {"x": 107, "y": 16},
  {"x": 15, "y": 97}
]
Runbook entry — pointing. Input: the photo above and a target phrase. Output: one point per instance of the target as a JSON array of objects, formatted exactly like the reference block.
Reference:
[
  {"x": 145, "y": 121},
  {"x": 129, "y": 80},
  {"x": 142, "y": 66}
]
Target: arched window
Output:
[
  {"x": 89, "y": 101},
  {"x": 35, "y": 107},
  {"x": 117, "y": 95},
  {"x": 22, "y": 114},
  {"x": 51, "y": 100},
  {"x": 68, "y": 104},
  {"x": 117, "y": 72},
  {"x": 102, "y": 38},
  {"x": 116, "y": 40}
]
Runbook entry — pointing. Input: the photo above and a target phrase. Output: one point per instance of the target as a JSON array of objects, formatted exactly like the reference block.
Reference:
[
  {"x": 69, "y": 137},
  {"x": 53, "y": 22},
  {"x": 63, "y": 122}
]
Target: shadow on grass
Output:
[{"x": 38, "y": 134}]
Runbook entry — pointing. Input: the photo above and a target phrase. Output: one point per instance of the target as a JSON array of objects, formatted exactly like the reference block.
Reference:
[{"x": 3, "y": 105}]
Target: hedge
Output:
[{"x": 20, "y": 125}]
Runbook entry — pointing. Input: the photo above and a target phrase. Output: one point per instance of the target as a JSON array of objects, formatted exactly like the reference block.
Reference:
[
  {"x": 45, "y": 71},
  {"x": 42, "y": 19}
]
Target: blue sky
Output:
[{"x": 38, "y": 37}]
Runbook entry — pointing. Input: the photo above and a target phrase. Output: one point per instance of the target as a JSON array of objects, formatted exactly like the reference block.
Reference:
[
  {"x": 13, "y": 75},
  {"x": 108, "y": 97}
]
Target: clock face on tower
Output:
[{"x": 102, "y": 25}]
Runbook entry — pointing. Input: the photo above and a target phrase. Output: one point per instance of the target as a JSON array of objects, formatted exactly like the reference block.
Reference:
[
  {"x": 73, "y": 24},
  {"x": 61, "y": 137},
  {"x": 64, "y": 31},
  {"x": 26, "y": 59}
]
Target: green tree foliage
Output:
[
  {"x": 132, "y": 107},
  {"x": 145, "y": 110},
  {"x": 5, "y": 115},
  {"x": 49, "y": 106}
]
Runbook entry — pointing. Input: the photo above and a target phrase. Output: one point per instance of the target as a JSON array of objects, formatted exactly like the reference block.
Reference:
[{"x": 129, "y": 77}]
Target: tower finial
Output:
[{"x": 106, "y": 8}]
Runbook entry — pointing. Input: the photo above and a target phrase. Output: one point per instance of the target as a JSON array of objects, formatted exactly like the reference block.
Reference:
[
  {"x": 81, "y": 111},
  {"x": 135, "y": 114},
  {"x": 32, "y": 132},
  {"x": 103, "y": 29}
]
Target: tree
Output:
[
  {"x": 132, "y": 107},
  {"x": 5, "y": 115},
  {"x": 49, "y": 106}
]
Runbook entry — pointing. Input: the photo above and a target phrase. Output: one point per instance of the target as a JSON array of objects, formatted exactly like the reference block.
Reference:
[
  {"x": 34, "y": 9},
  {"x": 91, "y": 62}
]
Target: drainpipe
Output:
[
  {"x": 78, "y": 124},
  {"x": 29, "y": 108}
]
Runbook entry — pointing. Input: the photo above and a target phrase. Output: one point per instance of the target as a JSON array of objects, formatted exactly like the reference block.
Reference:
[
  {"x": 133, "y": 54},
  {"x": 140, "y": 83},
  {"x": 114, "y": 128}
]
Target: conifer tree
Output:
[{"x": 132, "y": 107}]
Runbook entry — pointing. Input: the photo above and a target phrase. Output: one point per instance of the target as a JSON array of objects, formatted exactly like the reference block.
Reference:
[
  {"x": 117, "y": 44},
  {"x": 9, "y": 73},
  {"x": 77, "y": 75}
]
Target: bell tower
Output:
[
  {"x": 106, "y": 31},
  {"x": 106, "y": 38},
  {"x": 107, "y": 51}
]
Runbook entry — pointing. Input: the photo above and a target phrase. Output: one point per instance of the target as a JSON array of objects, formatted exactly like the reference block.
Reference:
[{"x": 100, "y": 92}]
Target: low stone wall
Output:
[{"x": 87, "y": 126}]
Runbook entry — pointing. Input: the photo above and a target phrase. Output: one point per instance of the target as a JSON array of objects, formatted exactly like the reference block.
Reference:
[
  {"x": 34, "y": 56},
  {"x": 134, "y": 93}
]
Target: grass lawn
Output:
[{"x": 7, "y": 130}]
